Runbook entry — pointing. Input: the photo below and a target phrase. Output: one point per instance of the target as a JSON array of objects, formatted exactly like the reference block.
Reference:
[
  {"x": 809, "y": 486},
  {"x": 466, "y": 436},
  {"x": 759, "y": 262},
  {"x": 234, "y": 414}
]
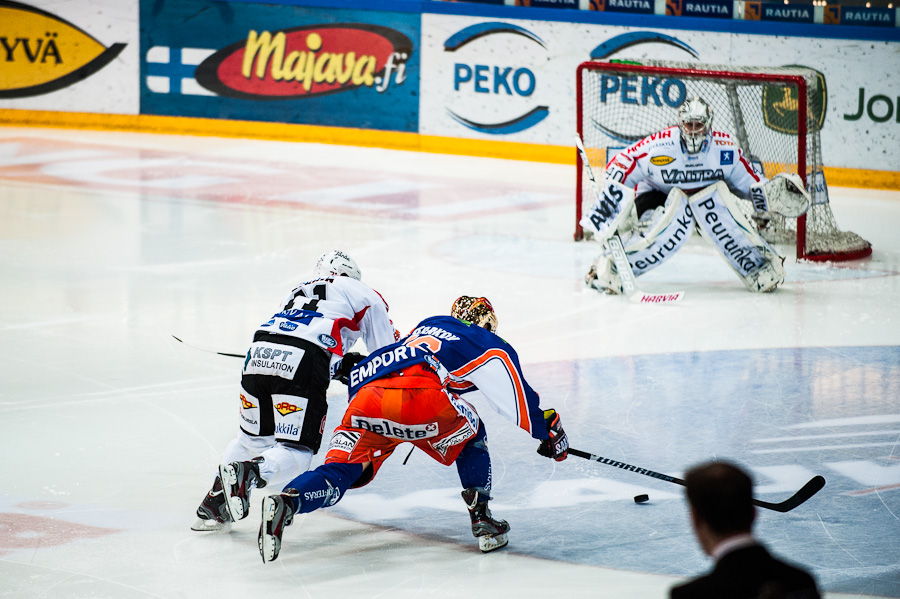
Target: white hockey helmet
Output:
[
  {"x": 477, "y": 310},
  {"x": 335, "y": 264},
  {"x": 695, "y": 121}
]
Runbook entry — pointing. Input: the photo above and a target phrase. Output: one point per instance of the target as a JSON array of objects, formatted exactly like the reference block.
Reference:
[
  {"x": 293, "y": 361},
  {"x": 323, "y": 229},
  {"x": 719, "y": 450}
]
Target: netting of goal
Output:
[{"x": 775, "y": 113}]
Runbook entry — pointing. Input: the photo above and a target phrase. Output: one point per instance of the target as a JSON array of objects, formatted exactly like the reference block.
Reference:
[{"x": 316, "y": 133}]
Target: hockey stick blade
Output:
[
  {"x": 218, "y": 353},
  {"x": 812, "y": 487},
  {"x": 617, "y": 249},
  {"x": 808, "y": 490}
]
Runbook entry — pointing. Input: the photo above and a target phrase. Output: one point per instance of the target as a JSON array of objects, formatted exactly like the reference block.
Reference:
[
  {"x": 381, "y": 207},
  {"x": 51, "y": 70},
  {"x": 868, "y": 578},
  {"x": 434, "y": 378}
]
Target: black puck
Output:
[{"x": 641, "y": 498}]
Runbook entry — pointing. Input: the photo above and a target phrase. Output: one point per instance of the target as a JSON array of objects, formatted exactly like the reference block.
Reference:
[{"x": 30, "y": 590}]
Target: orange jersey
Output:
[{"x": 410, "y": 406}]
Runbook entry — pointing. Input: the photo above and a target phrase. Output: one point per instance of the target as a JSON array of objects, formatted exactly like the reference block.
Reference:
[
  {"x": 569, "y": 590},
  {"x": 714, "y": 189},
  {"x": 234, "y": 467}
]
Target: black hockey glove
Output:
[
  {"x": 555, "y": 446},
  {"x": 349, "y": 360}
]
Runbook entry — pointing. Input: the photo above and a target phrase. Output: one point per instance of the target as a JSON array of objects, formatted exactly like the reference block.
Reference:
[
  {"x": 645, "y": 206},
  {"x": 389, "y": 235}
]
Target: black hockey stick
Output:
[
  {"x": 807, "y": 491},
  {"x": 218, "y": 353}
]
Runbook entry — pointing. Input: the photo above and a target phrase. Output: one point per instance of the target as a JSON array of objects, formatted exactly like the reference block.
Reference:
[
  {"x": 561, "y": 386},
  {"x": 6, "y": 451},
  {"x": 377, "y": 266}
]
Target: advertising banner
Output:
[
  {"x": 77, "y": 56},
  {"x": 859, "y": 15},
  {"x": 319, "y": 66},
  {"x": 549, "y": 3},
  {"x": 645, "y": 7},
  {"x": 775, "y": 11},
  {"x": 514, "y": 80},
  {"x": 709, "y": 9}
]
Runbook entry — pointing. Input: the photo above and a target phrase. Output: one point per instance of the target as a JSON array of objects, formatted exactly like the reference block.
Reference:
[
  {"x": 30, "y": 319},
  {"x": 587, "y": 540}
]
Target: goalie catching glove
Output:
[
  {"x": 349, "y": 360},
  {"x": 556, "y": 446},
  {"x": 784, "y": 194}
]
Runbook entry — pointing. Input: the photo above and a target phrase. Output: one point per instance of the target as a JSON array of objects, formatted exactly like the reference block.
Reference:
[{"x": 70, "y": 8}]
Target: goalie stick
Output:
[
  {"x": 617, "y": 248},
  {"x": 218, "y": 353},
  {"x": 812, "y": 487}
]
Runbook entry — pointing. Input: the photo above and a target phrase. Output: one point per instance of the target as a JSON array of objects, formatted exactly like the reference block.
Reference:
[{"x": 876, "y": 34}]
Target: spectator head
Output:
[{"x": 720, "y": 496}]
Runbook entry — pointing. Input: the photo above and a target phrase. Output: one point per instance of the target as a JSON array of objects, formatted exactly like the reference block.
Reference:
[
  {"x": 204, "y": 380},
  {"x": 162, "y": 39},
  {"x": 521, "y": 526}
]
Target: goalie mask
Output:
[
  {"x": 335, "y": 264},
  {"x": 695, "y": 122},
  {"x": 477, "y": 310}
]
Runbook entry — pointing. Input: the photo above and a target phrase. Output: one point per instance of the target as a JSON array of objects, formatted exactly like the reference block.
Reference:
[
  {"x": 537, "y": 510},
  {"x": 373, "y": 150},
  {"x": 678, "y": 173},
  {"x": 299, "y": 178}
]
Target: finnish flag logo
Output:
[
  {"x": 727, "y": 157},
  {"x": 171, "y": 70}
]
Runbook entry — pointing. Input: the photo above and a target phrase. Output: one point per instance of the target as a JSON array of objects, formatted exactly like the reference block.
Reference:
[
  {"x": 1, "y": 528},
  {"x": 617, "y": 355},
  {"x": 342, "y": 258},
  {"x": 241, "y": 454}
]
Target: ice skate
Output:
[
  {"x": 238, "y": 479},
  {"x": 213, "y": 513},
  {"x": 277, "y": 513},
  {"x": 603, "y": 276},
  {"x": 491, "y": 533},
  {"x": 768, "y": 276}
]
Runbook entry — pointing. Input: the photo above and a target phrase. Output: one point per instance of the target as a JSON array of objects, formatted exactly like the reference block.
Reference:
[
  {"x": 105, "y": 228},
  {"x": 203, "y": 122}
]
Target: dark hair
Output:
[{"x": 721, "y": 494}]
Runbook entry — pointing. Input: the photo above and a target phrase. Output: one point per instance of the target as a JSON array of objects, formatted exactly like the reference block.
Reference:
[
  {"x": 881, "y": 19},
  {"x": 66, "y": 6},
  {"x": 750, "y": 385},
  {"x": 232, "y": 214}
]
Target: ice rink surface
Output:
[{"x": 111, "y": 430}]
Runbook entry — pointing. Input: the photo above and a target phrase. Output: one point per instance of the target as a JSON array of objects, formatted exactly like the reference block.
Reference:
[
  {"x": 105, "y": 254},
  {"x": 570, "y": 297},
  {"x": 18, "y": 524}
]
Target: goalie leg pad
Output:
[
  {"x": 722, "y": 223},
  {"x": 664, "y": 237}
]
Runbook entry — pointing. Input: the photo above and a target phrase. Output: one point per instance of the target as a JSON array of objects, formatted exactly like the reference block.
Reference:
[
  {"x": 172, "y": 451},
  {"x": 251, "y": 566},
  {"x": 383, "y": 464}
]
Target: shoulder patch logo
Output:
[
  {"x": 662, "y": 160},
  {"x": 726, "y": 157}
]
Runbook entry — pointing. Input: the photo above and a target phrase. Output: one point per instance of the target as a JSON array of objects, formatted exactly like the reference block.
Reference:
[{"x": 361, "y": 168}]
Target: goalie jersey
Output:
[
  {"x": 471, "y": 360},
  {"x": 661, "y": 162},
  {"x": 334, "y": 313}
]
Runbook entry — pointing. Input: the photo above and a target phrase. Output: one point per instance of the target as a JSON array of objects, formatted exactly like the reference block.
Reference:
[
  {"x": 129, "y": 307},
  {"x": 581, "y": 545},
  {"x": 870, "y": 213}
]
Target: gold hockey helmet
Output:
[{"x": 477, "y": 310}]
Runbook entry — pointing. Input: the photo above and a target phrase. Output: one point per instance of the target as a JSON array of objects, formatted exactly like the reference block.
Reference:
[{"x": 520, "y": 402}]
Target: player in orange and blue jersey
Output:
[{"x": 417, "y": 391}]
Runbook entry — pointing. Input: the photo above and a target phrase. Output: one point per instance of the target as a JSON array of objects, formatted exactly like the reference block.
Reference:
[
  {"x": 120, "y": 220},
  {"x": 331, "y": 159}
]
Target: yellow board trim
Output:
[{"x": 174, "y": 125}]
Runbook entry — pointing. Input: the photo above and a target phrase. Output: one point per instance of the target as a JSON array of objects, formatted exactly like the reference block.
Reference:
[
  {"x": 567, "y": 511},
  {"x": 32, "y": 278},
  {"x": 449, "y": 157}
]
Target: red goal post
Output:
[{"x": 775, "y": 114}]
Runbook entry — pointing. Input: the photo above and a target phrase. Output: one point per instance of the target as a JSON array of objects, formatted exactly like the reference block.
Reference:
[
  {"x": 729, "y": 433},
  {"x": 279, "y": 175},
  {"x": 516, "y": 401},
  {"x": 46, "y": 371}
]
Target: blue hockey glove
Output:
[{"x": 556, "y": 446}]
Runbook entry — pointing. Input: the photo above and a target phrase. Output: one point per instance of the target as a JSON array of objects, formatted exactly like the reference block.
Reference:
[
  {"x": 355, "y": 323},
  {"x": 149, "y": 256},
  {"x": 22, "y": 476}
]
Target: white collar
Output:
[{"x": 738, "y": 541}]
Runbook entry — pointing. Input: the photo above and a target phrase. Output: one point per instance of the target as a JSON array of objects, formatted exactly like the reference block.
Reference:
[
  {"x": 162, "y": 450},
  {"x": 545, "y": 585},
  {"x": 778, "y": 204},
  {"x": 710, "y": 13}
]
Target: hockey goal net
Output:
[{"x": 774, "y": 113}]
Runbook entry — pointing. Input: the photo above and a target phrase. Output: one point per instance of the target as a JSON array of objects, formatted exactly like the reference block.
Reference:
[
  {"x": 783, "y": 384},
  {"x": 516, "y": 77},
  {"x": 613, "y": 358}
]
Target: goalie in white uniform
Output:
[{"x": 686, "y": 177}]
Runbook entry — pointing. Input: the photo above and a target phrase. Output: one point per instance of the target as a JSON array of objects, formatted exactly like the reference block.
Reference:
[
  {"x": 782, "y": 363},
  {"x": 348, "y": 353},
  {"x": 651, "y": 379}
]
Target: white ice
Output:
[{"x": 110, "y": 430}]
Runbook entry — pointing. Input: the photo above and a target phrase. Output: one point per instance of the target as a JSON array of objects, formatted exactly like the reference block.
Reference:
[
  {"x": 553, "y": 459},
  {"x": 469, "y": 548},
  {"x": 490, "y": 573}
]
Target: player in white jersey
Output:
[
  {"x": 284, "y": 380},
  {"x": 683, "y": 178}
]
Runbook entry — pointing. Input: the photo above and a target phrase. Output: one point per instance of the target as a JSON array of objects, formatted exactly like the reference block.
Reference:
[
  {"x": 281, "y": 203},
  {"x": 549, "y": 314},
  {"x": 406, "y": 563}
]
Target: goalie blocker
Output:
[{"x": 714, "y": 212}]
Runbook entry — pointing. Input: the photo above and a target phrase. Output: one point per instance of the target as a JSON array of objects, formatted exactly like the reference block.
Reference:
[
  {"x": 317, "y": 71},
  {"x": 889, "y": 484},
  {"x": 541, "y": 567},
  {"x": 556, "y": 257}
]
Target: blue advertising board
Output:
[
  {"x": 277, "y": 63},
  {"x": 788, "y": 13},
  {"x": 709, "y": 9},
  {"x": 872, "y": 17},
  {"x": 646, "y": 7},
  {"x": 549, "y": 3}
]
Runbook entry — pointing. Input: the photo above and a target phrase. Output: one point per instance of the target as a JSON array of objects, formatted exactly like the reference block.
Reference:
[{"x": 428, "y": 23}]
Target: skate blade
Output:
[
  {"x": 268, "y": 545},
  {"x": 234, "y": 505},
  {"x": 236, "y": 508},
  {"x": 492, "y": 542},
  {"x": 201, "y": 525}
]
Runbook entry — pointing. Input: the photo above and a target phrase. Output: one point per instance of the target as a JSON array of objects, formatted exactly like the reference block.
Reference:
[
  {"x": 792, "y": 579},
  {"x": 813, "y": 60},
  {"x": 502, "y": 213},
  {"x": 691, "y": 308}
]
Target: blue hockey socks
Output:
[{"x": 324, "y": 486}]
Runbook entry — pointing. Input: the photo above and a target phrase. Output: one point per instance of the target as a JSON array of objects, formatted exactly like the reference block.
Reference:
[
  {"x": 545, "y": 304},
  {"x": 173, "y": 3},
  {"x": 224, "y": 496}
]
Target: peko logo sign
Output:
[
  {"x": 42, "y": 53},
  {"x": 307, "y": 61},
  {"x": 490, "y": 87},
  {"x": 656, "y": 95}
]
